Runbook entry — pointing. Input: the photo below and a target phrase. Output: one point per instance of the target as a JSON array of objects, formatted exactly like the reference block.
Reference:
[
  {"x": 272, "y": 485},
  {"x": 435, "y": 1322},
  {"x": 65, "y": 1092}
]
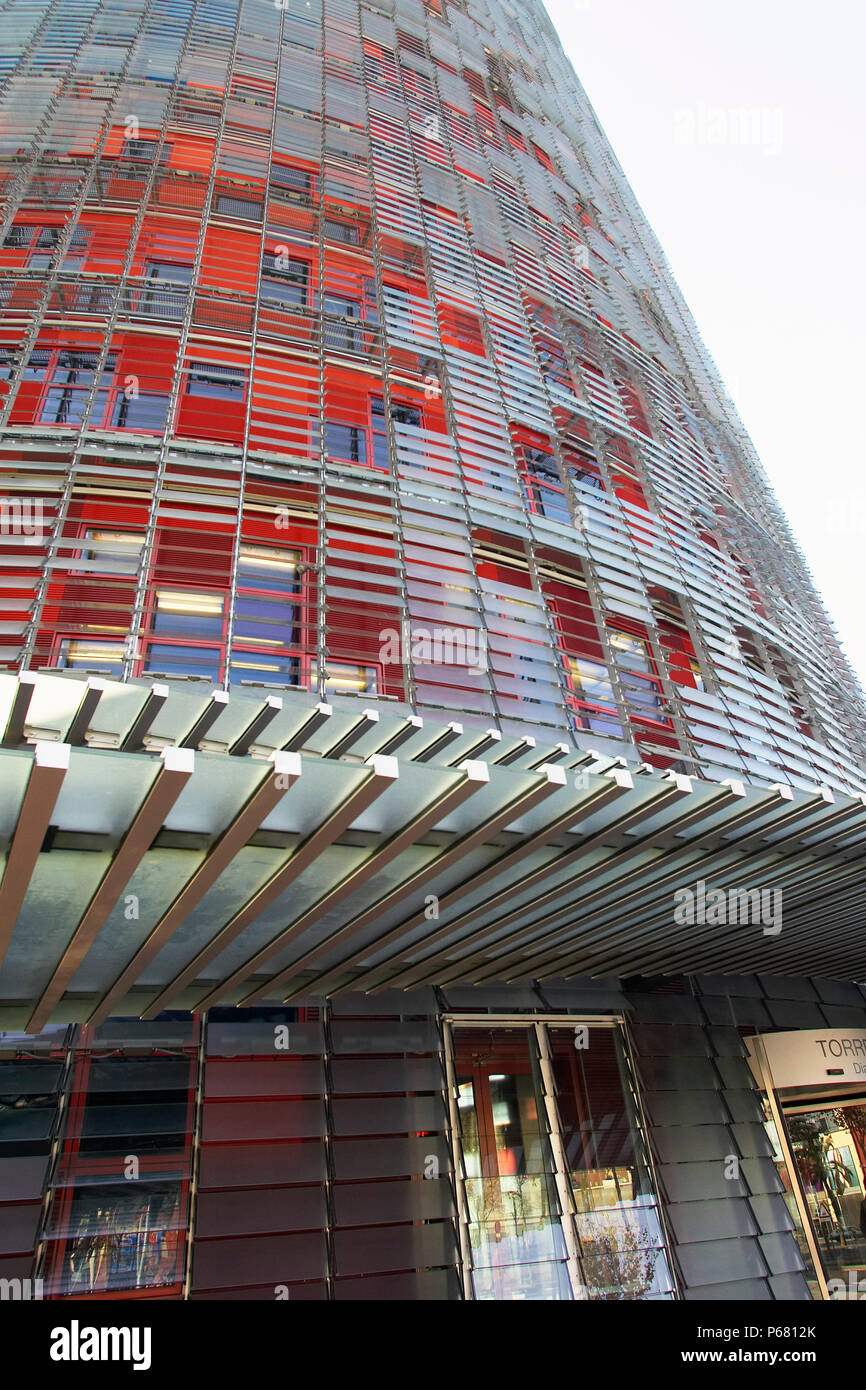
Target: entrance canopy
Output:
[{"x": 166, "y": 849}]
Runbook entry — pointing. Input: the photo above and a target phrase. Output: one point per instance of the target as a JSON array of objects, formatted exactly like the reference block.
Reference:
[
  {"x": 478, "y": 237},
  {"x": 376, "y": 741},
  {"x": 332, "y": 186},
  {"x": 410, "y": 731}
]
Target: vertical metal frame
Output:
[
  {"x": 464, "y": 1243},
  {"x": 195, "y": 1156},
  {"x": 560, "y": 1165},
  {"x": 538, "y": 1025},
  {"x": 793, "y": 1171}
]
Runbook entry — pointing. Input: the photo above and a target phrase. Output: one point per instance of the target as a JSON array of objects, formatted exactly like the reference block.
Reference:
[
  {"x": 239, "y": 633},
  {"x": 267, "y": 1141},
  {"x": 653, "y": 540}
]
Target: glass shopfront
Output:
[
  {"x": 815, "y": 1106},
  {"x": 828, "y": 1142},
  {"x": 558, "y": 1197}
]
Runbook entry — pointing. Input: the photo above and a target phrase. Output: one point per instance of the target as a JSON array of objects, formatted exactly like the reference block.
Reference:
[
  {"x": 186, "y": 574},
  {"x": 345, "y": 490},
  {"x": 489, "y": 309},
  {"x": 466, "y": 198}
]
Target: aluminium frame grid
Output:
[{"x": 422, "y": 127}]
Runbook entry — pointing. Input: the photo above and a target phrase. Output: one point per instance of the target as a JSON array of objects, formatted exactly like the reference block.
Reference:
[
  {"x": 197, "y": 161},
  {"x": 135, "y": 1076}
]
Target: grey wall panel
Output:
[
  {"x": 839, "y": 992},
  {"x": 780, "y": 1253},
  {"x": 726, "y": 1041},
  {"x": 771, "y": 1213},
  {"x": 722, "y": 1261},
  {"x": 790, "y": 1287},
  {"x": 677, "y": 1073},
  {"x": 735, "y": 1073},
  {"x": 222, "y": 1264},
  {"x": 752, "y": 1140},
  {"x": 761, "y": 1175},
  {"x": 692, "y": 1143},
  {"x": 666, "y": 1008},
  {"x": 390, "y": 1001},
  {"x": 794, "y": 1013},
  {"x": 697, "y": 1182},
  {"x": 744, "y": 1013},
  {"x": 718, "y": 1212},
  {"x": 657, "y": 1040},
  {"x": 433, "y": 1286},
  {"x": 788, "y": 987},
  {"x": 720, "y": 1220},
  {"x": 744, "y": 1290},
  {"x": 685, "y": 1107},
  {"x": 844, "y": 1015},
  {"x": 744, "y": 1107},
  {"x": 740, "y": 986}
]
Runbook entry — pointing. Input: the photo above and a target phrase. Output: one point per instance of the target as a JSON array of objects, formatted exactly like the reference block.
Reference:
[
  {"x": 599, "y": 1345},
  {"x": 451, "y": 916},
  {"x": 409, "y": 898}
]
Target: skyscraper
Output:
[{"x": 406, "y": 660}]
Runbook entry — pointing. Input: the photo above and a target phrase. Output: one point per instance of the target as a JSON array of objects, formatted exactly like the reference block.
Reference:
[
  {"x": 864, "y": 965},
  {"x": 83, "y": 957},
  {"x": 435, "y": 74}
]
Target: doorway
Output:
[{"x": 558, "y": 1197}]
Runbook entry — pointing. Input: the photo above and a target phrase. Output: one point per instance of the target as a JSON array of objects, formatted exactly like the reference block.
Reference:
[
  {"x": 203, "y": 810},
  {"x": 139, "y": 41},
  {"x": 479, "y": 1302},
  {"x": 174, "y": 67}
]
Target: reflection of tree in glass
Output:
[
  {"x": 819, "y": 1162},
  {"x": 624, "y": 1267}
]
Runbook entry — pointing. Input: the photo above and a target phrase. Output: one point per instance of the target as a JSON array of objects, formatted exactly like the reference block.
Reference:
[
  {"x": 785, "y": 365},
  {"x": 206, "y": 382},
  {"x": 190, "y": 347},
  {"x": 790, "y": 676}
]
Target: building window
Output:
[
  {"x": 230, "y": 206},
  {"x": 190, "y": 624},
  {"x": 145, "y": 412},
  {"x": 267, "y": 614},
  {"x": 345, "y": 232},
  {"x": 290, "y": 177},
  {"x": 344, "y": 679},
  {"x": 521, "y": 1225},
  {"x": 347, "y": 443},
  {"x": 188, "y": 613},
  {"x": 146, "y": 149},
  {"x": 267, "y": 617},
  {"x": 119, "y": 552},
  {"x": 285, "y": 281},
  {"x": 216, "y": 382},
  {"x": 344, "y": 315},
  {"x": 163, "y": 298},
  {"x": 637, "y": 673},
  {"x": 592, "y": 703},
  {"x": 69, "y": 378},
  {"x": 176, "y": 661},
  {"x": 91, "y": 656},
  {"x": 543, "y": 485},
  {"x": 37, "y": 244},
  {"x": 367, "y": 444}
]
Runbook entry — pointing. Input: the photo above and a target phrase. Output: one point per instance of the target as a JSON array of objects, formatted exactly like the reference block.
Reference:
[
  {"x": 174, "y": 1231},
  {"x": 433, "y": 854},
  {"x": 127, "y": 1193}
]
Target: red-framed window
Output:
[
  {"x": 346, "y": 312},
  {"x": 590, "y": 695},
  {"x": 63, "y": 379},
  {"x": 286, "y": 278},
  {"x": 293, "y": 178},
  {"x": 460, "y": 328},
  {"x": 539, "y": 472},
  {"x": 360, "y": 435},
  {"x": 213, "y": 400},
  {"x": 34, "y": 245},
  {"x": 638, "y": 672},
  {"x": 543, "y": 158},
  {"x": 145, "y": 148},
  {"x": 119, "y": 1213},
  {"x": 185, "y": 627}
]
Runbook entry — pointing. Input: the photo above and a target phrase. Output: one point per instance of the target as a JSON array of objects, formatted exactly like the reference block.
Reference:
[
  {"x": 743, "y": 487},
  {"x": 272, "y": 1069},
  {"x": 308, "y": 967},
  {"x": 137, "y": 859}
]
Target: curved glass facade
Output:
[{"x": 336, "y": 354}]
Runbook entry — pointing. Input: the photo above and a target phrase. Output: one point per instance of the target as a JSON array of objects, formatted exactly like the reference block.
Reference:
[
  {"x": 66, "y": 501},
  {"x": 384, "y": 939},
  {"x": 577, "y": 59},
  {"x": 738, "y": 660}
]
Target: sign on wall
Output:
[{"x": 824, "y": 1057}]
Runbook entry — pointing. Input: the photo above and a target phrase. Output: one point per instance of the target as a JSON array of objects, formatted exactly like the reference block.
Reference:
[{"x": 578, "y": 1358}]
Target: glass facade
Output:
[
  {"x": 361, "y": 287},
  {"x": 312, "y": 1154},
  {"x": 547, "y": 1103}
]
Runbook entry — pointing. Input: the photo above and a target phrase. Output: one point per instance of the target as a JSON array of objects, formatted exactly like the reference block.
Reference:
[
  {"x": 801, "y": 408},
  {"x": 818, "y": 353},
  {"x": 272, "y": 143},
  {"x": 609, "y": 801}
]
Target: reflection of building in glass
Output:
[{"x": 395, "y": 617}]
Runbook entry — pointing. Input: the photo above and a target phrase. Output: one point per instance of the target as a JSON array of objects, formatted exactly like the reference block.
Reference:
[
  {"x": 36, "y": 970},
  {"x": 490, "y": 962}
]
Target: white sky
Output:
[{"x": 765, "y": 238}]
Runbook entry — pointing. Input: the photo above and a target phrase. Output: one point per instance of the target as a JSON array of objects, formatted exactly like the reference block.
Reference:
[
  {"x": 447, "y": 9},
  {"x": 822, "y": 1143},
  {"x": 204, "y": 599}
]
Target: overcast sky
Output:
[{"x": 764, "y": 235}]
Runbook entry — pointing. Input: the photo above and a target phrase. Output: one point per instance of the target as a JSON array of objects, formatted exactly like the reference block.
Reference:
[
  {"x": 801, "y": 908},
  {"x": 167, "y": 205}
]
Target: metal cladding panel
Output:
[
  {"x": 720, "y": 1181},
  {"x": 337, "y": 356}
]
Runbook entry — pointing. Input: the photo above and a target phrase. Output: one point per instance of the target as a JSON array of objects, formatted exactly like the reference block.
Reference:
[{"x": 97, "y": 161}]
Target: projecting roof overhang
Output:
[{"x": 172, "y": 850}]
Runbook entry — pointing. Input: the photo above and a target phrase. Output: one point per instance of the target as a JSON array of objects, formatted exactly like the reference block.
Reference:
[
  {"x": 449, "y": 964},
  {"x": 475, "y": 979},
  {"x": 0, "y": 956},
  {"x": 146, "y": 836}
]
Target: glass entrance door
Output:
[
  {"x": 558, "y": 1201},
  {"x": 829, "y": 1148}
]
